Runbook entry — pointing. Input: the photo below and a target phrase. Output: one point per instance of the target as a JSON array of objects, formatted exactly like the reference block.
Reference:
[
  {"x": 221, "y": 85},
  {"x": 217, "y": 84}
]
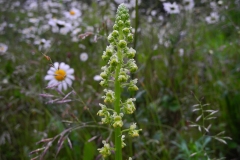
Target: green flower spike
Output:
[{"x": 115, "y": 74}]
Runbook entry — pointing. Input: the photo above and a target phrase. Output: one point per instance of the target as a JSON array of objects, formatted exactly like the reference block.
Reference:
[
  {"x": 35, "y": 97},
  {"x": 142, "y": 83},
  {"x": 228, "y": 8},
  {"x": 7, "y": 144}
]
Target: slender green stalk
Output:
[
  {"x": 117, "y": 130},
  {"x": 136, "y": 24}
]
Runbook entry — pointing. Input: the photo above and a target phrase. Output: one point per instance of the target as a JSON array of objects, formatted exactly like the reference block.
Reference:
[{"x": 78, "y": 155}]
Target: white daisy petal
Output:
[
  {"x": 70, "y": 71},
  {"x": 49, "y": 77},
  {"x": 71, "y": 77},
  {"x": 60, "y": 87},
  {"x": 66, "y": 67},
  {"x": 53, "y": 69},
  {"x": 68, "y": 81},
  {"x": 56, "y": 65},
  {"x": 64, "y": 84},
  {"x": 52, "y": 82},
  {"x": 51, "y": 72},
  {"x": 62, "y": 65}
]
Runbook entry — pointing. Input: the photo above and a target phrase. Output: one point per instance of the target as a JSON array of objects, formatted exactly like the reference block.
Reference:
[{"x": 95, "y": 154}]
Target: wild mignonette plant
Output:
[{"x": 115, "y": 74}]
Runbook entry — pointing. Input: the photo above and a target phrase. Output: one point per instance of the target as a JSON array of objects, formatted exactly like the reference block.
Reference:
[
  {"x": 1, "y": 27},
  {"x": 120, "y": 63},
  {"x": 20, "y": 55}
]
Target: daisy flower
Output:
[
  {"x": 3, "y": 48},
  {"x": 188, "y": 4},
  {"x": 73, "y": 14},
  {"x": 60, "y": 26},
  {"x": 61, "y": 75},
  {"x": 171, "y": 8},
  {"x": 43, "y": 44},
  {"x": 213, "y": 18}
]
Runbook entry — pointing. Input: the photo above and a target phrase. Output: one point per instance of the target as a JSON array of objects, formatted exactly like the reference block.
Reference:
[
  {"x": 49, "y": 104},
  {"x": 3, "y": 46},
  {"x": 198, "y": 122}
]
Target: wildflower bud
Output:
[
  {"x": 104, "y": 68},
  {"x": 118, "y": 18},
  {"x": 113, "y": 60},
  {"x": 124, "y": 11},
  {"x": 115, "y": 33},
  {"x": 133, "y": 126},
  {"x": 133, "y": 67},
  {"x": 104, "y": 75},
  {"x": 105, "y": 151},
  {"x": 132, "y": 85},
  {"x": 131, "y": 53},
  {"x": 130, "y": 37},
  {"x": 100, "y": 113},
  {"x": 107, "y": 118},
  {"x": 105, "y": 57},
  {"x": 117, "y": 121},
  {"x": 103, "y": 111},
  {"x": 128, "y": 23},
  {"x": 122, "y": 78},
  {"x": 109, "y": 50},
  {"x": 122, "y": 44},
  {"x": 126, "y": 31},
  {"x": 104, "y": 83},
  {"x": 134, "y": 133},
  {"x": 111, "y": 39},
  {"x": 109, "y": 98},
  {"x": 122, "y": 139},
  {"x": 115, "y": 27},
  {"x": 133, "y": 88},
  {"x": 125, "y": 16},
  {"x": 132, "y": 130},
  {"x": 128, "y": 106},
  {"x": 120, "y": 23}
]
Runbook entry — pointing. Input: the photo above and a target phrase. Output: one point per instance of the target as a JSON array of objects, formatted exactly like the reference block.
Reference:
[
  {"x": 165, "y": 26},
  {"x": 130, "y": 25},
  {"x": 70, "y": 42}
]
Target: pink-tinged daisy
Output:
[
  {"x": 171, "y": 8},
  {"x": 60, "y": 75}
]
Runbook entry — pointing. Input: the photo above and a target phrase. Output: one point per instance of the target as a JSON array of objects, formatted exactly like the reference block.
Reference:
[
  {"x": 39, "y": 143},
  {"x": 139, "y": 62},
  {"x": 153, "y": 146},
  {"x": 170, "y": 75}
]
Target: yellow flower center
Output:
[
  {"x": 60, "y": 75},
  {"x": 72, "y": 12},
  {"x": 1, "y": 48}
]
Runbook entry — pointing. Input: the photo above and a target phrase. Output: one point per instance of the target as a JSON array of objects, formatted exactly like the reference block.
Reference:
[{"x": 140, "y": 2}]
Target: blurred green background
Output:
[{"x": 178, "y": 55}]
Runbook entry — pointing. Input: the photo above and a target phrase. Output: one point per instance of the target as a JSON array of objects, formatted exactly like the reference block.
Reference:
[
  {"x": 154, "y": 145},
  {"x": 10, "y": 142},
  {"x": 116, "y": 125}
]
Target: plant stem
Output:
[
  {"x": 136, "y": 24},
  {"x": 117, "y": 130}
]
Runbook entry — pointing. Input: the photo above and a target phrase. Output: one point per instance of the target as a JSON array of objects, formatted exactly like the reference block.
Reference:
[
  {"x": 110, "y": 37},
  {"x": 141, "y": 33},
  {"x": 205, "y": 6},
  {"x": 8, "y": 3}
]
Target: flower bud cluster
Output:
[
  {"x": 133, "y": 132},
  {"x": 119, "y": 64},
  {"x": 117, "y": 120},
  {"x": 107, "y": 118},
  {"x": 106, "y": 149},
  {"x": 109, "y": 97},
  {"x": 129, "y": 106}
]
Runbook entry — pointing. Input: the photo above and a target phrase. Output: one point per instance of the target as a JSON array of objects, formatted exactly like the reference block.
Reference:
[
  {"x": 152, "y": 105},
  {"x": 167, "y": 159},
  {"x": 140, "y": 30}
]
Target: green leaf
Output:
[{"x": 89, "y": 148}]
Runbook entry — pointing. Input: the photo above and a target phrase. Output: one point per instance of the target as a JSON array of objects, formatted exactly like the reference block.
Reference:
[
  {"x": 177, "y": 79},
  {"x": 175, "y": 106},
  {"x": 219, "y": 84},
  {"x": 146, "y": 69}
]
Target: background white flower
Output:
[
  {"x": 171, "y": 8},
  {"x": 83, "y": 57},
  {"x": 213, "y": 18},
  {"x": 73, "y": 14},
  {"x": 61, "y": 75},
  {"x": 3, "y": 48},
  {"x": 43, "y": 44},
  {"x": 60, "y": 26},
  {"x": 188, "y": 4},
  {"x": 97, "y": 78}
]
